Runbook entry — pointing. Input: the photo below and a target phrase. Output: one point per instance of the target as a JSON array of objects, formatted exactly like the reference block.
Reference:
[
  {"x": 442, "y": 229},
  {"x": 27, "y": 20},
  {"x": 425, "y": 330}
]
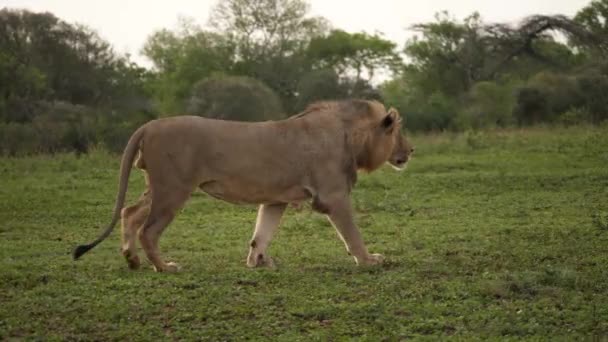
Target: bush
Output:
[
  {"x": 594, "y": 89},
  {"x": 319, "y": 85},
  {"x": 63, "y": 127},
  {"x": 574, "y": 116},
  {"x": 361, "y": 89},
  {"x": 489, "y": 104},
  {"x": 17, "y": 139},
  {"x": 562, "y": 92},
  {"x": 436, "y": 114},
  {"x": 421, "y": 111},
  {"x": 56, "y": 127},
  {"x": 114, "y": 136},
  {"x": 531, "y": 106},
  {"x": 234, "y": 98}
]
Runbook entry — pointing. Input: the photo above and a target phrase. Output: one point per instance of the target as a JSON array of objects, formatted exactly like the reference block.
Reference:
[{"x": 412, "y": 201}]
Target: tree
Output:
[
  {"x": 489, "y": 104},
  {"x": 422, "y": 112},
  {"x": 354, "y": 53},
  {"x": 474, "y": 66},
  {"x": 593, "y": 89},
  {"x": 594, "y": 18},
  {"x": 270, "y": 38},
  {"x": 322, "y": 84},
  {"x": 183, "y": 57},
  {"x": 43, "y": 58},
  {"x": 531, "y": 106},
  {"x": 449, "y": 57},
  {"x": 263, "y": 28}
]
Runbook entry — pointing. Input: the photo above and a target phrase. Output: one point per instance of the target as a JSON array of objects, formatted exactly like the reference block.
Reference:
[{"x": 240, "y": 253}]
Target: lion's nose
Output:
[
  {"x": 400, "y": 160},
  {"x": 412, "y": 150}
]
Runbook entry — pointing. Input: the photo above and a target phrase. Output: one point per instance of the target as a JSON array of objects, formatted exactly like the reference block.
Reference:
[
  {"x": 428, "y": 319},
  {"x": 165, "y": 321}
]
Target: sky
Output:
[{"x": 127, "y": 23}]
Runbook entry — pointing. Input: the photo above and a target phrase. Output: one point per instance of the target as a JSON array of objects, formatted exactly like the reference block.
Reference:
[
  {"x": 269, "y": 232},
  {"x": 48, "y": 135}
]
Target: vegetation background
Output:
[{"x": 63, "y": 88}]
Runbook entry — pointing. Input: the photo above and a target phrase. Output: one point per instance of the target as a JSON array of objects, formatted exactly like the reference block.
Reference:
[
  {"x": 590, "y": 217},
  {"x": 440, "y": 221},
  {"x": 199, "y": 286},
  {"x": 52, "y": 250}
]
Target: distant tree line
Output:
[
  {"x": 63, "y": 88},
  {"x": 470, "y": 74}
]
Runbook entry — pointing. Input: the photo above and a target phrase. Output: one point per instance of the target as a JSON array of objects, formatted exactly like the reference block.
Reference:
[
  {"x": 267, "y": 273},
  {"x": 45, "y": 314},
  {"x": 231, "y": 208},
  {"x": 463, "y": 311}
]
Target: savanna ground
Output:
[{"x": 487, "y": 235}]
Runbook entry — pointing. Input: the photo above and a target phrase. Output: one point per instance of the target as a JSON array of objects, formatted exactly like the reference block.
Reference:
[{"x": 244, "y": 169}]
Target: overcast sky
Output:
[{"x": 127, "y": 23}]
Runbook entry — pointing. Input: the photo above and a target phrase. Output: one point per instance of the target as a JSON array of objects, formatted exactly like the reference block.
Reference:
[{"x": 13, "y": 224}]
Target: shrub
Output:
[
  {"x": 17, "y": 139},
  {"x": 319, "y": 85},
  {"x": 531, "y": 106},
  {"x": 489, "y": 104},
  {"x": 594, "y": 89},
  {"x": 574, "y": 116},
  {"x": 234, "y": 98}
]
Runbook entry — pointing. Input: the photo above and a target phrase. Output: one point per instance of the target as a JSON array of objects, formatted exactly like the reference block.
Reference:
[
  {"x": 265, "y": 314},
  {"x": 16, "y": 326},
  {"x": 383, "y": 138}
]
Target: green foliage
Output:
[
  {"x": 63, "y": 127},
  {"x": 353, "y": 53},
  {"x": 600, "y": 220},
  {"x": 323, "y": 84},
  {"x": 58, "y": 127},
  {"x": 266, "y": 27},
  {"x": 58, "y": 81},
  {"x": 593, "y": 89},
  {"x": 550, "y": 97},
  {"x": 270, "y": 38},
  {"x": 531, "y": 106},
  {"x": 594, "y": 18},
  {"x": 496, "y": 74},
  {"x": 498, "y": 241},
  {"x": 436, "y": 115},
  {"x": 422, "y": 112},
  {"x": 562, "y": 92},
  {"x": 45, "y": 58},
  {"x": 453, "y": 75},
  {"x": 574, "y": 116},
  {"x": 183, "y": 58},
  {"x": 18, "y": 139},
  {"x": 449, "y": 57},
  {"x": 490, "y": 104},
  {"x": 234, "y": 98}
]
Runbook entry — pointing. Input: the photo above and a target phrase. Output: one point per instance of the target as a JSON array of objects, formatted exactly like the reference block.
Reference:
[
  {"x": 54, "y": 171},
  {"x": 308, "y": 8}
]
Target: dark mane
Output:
[{"x": 346, "y": 107}]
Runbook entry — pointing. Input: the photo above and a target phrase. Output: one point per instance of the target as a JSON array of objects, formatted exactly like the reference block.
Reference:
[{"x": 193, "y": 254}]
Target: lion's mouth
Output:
[{"x": 399, "y": 166}]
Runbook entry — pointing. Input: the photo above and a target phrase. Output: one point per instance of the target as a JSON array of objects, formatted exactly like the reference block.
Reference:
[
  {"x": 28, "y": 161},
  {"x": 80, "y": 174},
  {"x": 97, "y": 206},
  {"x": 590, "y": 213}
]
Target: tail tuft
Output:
[{"x": 80, "y": 250}]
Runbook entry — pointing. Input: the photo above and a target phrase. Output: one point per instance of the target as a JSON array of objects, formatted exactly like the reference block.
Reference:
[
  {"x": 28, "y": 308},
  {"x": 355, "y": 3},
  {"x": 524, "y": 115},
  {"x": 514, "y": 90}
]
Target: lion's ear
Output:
[
  {"x": 395, "y": 114},
  {"x": 399, "y": 116},
  {"x": 390, "y": 120}
]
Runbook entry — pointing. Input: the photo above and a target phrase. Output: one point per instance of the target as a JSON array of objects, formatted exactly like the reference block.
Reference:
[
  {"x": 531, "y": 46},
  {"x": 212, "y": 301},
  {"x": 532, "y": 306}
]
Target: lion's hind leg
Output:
[
  {"x": 165, "y": 205},
  {"x": 132, "y": 218}
]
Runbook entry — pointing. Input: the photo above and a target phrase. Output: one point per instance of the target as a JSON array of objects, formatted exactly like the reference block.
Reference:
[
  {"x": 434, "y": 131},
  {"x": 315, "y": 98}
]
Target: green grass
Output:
[{"x": 487, "y": 235}]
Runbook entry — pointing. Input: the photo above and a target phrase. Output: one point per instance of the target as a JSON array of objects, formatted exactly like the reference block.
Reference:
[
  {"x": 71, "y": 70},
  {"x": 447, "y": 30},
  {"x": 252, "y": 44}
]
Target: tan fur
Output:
[{"x": 315, "y": 154}]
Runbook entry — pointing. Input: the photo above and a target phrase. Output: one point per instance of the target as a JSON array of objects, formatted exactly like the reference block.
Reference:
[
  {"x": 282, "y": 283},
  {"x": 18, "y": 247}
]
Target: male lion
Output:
[{"x": 315, "y": 154}]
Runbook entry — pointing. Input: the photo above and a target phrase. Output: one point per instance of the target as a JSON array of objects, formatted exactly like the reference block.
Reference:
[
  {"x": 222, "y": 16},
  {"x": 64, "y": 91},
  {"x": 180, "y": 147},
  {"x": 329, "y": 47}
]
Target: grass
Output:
[{"x": 488, "y": 235}]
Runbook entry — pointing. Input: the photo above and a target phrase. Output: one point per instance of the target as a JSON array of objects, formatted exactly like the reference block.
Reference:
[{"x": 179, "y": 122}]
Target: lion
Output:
[{"x": 313, "y": 155}]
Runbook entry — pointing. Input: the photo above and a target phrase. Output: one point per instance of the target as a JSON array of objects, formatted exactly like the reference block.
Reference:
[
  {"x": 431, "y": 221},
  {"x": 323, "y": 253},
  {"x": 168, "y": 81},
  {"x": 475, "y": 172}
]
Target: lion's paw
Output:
[
  {"x": 372, "y": 259},
  {"x": 259, "y": 260},
  {"x": 169, "y": 267},
  {"x": 133, "y": 262}
]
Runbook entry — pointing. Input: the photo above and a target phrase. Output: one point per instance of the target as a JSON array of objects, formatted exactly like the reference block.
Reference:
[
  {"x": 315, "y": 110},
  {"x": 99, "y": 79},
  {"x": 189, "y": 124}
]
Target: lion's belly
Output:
[{"x": 234, "y": 192}]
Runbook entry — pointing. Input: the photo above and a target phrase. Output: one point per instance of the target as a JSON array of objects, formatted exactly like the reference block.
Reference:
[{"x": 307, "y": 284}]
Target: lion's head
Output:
[
  {"x": 402, "y": 149},
  {"x": 385, "y": 141}
]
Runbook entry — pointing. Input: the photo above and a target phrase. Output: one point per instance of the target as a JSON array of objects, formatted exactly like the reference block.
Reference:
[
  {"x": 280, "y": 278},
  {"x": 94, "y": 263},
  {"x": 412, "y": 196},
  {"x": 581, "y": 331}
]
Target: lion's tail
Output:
[{"x": 125, "y": 170}]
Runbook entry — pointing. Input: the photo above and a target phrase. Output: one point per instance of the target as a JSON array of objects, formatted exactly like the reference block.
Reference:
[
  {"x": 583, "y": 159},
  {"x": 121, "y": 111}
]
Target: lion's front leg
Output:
[
  {"x": 269, "y": 217},
  {"x": 340, "y": 214}
]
